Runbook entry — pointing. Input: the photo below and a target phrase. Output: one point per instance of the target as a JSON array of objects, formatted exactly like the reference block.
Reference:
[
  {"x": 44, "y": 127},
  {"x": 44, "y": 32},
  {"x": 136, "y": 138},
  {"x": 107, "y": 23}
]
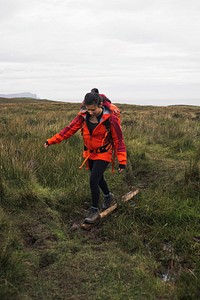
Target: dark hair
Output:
[
  {"x": 92, "y": 98},
  {"x": 95, "y": 90}
]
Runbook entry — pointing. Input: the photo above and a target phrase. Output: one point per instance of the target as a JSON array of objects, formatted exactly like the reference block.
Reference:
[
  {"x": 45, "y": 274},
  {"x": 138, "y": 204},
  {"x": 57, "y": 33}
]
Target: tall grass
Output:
[{"x": 147, "y": 249}]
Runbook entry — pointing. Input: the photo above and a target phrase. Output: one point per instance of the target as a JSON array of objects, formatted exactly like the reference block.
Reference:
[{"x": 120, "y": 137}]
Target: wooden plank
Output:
[
  {"x": 130, "y": 195},
  {"x": 109, "y": 210}
]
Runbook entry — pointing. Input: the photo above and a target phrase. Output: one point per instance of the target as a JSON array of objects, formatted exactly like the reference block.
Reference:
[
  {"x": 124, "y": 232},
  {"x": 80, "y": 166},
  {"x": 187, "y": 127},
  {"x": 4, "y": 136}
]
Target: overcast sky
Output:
[{"x": 135, "y": 51}]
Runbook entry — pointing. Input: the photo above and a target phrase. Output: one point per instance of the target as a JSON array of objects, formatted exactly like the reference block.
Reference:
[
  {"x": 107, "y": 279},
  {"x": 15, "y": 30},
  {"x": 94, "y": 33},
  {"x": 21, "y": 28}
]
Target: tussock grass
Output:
[{"x": 148, "y": 249}]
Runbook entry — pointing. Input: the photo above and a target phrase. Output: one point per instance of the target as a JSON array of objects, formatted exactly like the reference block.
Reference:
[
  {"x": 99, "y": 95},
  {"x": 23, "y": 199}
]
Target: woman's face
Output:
[{"x": 93, "y": 109}]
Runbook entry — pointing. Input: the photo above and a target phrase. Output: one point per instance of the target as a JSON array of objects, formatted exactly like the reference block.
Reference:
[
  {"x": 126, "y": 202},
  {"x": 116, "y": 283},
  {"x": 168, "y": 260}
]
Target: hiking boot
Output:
[
  {"x": 108, "y": 201},
  {"x": 92, "y": 215}
]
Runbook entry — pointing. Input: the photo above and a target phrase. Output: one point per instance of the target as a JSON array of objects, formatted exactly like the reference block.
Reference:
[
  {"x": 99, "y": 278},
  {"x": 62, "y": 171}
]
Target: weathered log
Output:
[{"x": 109, "y": 210}]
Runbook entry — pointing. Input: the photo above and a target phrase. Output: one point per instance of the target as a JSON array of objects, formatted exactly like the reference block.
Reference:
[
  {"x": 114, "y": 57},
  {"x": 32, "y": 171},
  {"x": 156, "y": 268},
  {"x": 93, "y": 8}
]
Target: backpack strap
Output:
[{"x": 107, "y": 124}]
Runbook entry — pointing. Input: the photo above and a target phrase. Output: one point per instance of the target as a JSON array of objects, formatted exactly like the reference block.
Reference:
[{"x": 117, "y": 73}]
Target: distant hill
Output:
[{"x": 19, "y": 95}]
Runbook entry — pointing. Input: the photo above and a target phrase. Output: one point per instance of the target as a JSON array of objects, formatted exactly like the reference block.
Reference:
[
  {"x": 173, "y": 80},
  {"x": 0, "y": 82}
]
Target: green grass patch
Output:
[{"x": 147, "y": 249}]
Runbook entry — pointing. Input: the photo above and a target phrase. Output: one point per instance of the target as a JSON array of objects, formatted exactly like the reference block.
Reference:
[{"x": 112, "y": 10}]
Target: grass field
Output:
[{"x": 148, "y": 249}]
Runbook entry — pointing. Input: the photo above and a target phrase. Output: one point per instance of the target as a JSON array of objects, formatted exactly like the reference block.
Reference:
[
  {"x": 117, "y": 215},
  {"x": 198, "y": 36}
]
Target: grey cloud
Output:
[
  {"x": 134, "y": 49},
  {"x": 8, "y": 9}
]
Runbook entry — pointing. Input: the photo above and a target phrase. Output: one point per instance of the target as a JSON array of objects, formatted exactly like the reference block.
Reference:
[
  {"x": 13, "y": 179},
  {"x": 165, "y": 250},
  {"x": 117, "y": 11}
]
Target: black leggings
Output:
[{"x": 97, "y": 168}]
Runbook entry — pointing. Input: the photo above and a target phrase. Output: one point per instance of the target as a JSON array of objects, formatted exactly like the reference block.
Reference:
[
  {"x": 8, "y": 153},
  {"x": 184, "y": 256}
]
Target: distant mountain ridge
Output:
[{"x": 19, "y": 95}]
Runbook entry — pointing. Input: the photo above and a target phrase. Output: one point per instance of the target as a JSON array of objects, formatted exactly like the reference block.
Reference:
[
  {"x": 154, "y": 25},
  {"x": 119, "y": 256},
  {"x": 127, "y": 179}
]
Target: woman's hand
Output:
[
  {"x": 46, "y": 145},
  {"x": 121, "y": 168}
]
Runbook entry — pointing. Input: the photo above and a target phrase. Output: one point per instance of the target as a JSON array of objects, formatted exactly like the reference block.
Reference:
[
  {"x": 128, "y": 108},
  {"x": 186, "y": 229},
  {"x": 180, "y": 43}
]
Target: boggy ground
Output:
[{"x": 147, "y": 249}]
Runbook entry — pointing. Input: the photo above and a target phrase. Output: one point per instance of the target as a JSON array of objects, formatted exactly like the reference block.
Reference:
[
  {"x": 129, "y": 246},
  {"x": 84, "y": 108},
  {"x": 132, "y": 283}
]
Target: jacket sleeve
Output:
[
  {"x": 68, "y": 131},
  {"x": 118, "y": 140}
]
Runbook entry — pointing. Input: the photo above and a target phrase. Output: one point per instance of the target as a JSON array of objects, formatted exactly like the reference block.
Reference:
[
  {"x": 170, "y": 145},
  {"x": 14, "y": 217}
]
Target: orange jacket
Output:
[{"x": 104, "y": 140}]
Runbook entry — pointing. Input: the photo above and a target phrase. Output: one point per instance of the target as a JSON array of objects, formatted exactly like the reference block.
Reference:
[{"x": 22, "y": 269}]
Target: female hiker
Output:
[{"x": 103, "y": 139}]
